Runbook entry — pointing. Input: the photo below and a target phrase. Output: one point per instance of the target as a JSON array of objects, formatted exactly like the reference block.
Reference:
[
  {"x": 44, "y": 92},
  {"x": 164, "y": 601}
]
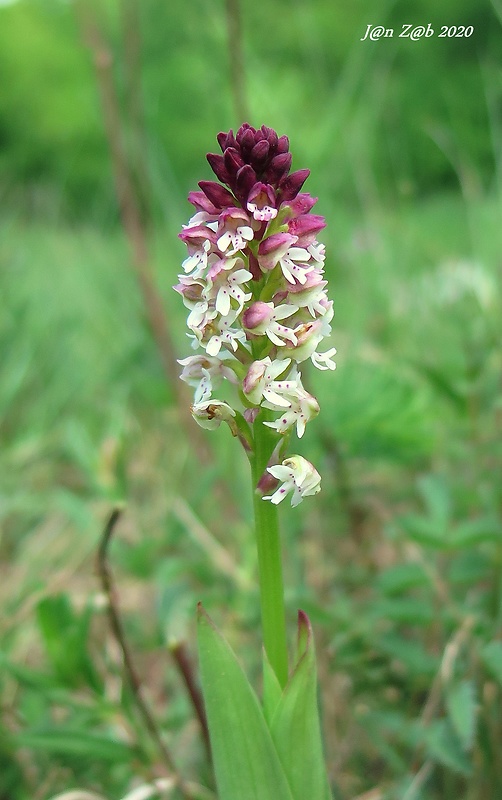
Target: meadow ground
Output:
[{"x": 398, "y": 561}]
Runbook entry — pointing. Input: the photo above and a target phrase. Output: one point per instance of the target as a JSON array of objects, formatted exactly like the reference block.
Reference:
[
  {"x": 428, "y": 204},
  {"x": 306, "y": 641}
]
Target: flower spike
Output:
[{"x": 254, "y": 285}]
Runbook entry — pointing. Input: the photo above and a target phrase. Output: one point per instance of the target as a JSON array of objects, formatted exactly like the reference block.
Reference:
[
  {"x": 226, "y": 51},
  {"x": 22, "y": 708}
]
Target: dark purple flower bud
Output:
[
  {"x": 226, "y": 139},
  {"x": 259, "y": 153},
  {"x": 233, "y": 160},
  {"x": 280, "y": 165},
  {"x": 217, "y": 194},
  {"x": 282, "y": 144},
  {"x": 290, "y": 186},
  {"x": 242, "y": 132},
  {"x": 202, "y": 203},
  {"x": 247, "y": 142},
  {"x": 217, "y": 164},
  {"x": 245, "y": 180},
  {"x": 271, "y": 136}
]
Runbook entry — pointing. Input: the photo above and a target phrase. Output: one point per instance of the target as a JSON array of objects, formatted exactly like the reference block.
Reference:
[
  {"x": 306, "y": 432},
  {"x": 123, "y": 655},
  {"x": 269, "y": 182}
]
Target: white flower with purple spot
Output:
[
  {"x": 302, "y": 408},
  {"x": 298, "y": 476},
  {"x": 260, "y": 382},
  {"x": 234, "y": 231}
]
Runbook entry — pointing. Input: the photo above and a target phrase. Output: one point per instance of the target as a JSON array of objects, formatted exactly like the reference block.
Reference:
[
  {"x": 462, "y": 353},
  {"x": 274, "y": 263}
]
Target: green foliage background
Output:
[{"x": 399, "y": 561}]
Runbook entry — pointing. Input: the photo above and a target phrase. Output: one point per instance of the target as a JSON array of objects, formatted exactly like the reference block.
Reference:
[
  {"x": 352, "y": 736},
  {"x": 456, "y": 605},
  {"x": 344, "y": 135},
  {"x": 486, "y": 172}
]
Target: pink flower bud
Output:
[
  {"x": 306, "y": 226},
  {"x": 256, "y": 315},
  {"x": 274, "y": 248},
  {"x": 301, "y": 204},
  {"x": 202, "y": 203},
  {"x": 254, "y": 375},
  {"x": 197, "y": 235}
]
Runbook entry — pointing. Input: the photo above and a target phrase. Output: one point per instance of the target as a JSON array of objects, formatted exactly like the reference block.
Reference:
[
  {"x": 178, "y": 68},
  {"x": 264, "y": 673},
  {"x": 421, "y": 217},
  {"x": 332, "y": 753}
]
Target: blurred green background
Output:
[{"x": 399, "y": 560}]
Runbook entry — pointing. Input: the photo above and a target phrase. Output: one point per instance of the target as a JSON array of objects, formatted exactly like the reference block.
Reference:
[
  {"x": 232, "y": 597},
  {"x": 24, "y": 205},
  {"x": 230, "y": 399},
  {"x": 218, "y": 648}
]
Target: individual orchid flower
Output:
[
  {"x": 302, "y": 407},
  {"x": 195, "y": 367},
  {"x": 225, "y": 335},
  {"x": 264, "y": 318},
  {"x": 211, "y": 413},
  {"x": 279, "y": 249},
  {"x": 260, "y": 382},
  {"x": 298, "y": 476},
  {"x": 199, "y": 240},
  {"x": 261, "y": 202},
  {"x": 227, "y": 286},
  {"x": 234, "y": 231}
]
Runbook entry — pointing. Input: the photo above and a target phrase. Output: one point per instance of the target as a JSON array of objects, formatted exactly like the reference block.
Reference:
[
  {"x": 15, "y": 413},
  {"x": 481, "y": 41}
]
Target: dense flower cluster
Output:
[{"x": 254, "y": 287}]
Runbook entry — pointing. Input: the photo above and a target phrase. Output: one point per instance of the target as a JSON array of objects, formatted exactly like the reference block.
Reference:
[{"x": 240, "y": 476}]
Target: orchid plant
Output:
[{"x": 253, "y": 283}]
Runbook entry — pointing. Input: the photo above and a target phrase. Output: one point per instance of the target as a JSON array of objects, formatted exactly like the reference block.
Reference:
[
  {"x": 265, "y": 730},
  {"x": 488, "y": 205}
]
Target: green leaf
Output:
[
  {"x": 439, "y": 381},
  {"x": 246, "y": 763},
  {"x": 395, "y": 580},
  {"x": 65, "y": 636},
  {"x": 413, "y": 657},
  {"x": 27, "y": 677},
  {"x": 65, "y": 741},
  {"x": 295, "y": 725},
  {"x": 462, "y": 709},
  {"x": 272, "y": 690},
  {"x": 412, "y": 610},
  {"x": 491, "y": 655},
  {"x": 475, "y": 531},
  {"x": 436, "y": 496},
  {"x": 444, "y": 747},
  {"x": 425, "y": 531}
]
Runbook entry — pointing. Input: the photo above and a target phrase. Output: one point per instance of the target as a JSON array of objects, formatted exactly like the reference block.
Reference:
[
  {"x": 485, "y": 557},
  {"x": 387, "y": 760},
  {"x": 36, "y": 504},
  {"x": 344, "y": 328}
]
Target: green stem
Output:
[{"x": 269, "y": 559}]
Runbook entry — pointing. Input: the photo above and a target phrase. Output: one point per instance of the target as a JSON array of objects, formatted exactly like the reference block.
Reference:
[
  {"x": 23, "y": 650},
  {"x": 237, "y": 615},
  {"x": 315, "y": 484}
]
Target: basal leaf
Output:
[
  {"x": 272, "y": 690},
  {"x": 295, "y": 725},
  {"x": 245, "y": 759}
]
